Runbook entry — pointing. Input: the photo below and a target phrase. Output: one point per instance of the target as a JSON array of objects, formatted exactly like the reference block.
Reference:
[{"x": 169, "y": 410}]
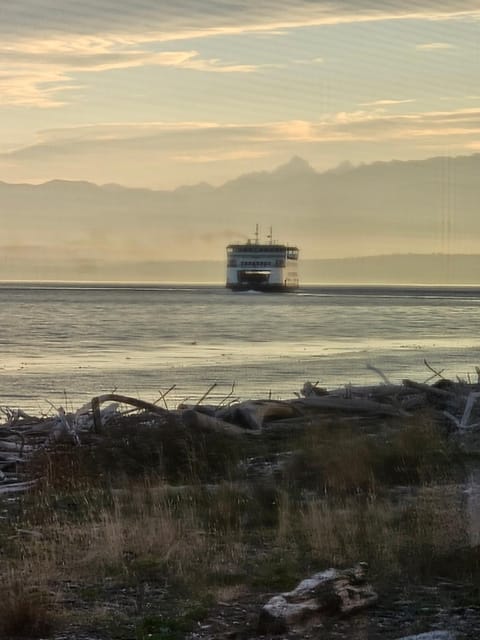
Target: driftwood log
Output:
[
  {"x": 456, "y": 403},
  {"x": 330, "y": 592},
  {"x": 197, "y": 420},
  {"x": 252, "y": 414},
  {"x": 350, "y": 405},
  {"x": 128, "y": 400}
]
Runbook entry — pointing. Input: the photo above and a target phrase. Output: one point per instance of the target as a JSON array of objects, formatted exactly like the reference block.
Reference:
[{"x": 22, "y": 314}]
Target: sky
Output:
[{"x": 148, "y": 93}]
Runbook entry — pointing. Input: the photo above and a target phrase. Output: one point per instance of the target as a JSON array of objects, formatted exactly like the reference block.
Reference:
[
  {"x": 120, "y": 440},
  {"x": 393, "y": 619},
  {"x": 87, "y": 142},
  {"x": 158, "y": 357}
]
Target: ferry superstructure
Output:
[{"x": 257, "y": 266}]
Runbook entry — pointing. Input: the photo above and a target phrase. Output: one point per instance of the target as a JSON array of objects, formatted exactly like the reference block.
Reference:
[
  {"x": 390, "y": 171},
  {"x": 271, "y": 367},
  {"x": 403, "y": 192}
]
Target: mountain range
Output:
[{"x": 81, "y": 230}]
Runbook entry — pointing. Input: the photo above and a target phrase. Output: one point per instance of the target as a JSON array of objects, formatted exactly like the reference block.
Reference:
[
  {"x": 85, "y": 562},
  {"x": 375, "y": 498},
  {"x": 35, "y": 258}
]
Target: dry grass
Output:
[
  {"x": 139, "y": 534},
  {"x": 331, "y": 507},
  {"x": 342, "y": 533},
  {"x": 139, "y": 521}
]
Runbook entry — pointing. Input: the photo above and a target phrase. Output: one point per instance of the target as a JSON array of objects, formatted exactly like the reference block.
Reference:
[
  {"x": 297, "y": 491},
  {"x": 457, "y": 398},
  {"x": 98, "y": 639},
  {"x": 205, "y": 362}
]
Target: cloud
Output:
[
  {"x": 39, "y": 73},
  {"x": 386, "y": 102},
  {"x": 164, "y": 154},
  {"x": 33, "y": 87},
  {"x": 45, "y": 46},
  {"x": 409, "y": 127},
  {"x": 211, "y": 141},
  {"x": 434, "y": 46},
  {"x": 220, "y": 155},
  {"x": 191, "y": 18},
  {"x": 309, "y": 61}
]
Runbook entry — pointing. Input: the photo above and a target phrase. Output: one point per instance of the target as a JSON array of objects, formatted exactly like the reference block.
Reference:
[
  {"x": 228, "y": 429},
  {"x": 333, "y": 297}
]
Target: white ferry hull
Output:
[
  {"x": 262, "y": 267},
  {"x": 267, "y": 288}
]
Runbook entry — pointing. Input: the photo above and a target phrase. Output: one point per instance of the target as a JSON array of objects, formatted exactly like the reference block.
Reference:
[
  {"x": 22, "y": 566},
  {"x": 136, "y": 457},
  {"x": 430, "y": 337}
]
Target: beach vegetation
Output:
[{"x": 146, "y": 529}]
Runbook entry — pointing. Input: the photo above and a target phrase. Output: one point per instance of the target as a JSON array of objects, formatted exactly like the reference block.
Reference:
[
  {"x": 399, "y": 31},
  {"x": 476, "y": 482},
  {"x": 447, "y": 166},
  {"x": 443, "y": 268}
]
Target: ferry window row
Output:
[
  {"x": 255, "y": 263},
  {"x": 232, "y": 262}
]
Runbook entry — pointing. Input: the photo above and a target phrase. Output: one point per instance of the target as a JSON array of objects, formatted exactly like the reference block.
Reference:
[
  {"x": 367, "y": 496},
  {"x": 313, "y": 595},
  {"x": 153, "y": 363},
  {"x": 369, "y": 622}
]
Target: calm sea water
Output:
[{"x": 61, "y": 345}]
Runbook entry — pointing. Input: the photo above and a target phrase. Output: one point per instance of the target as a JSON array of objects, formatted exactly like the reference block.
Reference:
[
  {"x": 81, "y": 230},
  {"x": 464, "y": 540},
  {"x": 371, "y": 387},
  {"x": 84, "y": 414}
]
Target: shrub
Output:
[
  {"x": 25, "y": 612},
  {"x": 345, "y": 460},
  {"x": 140, "y": 446}
]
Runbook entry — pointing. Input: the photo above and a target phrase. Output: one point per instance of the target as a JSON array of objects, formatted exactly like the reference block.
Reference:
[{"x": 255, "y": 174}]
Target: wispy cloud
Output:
[
  {"x": 434, "y": 124},
  {"x": 160, "y": 154},
  {"x": 434, "y": 46},
  {"x": 207, "y": 141},
  {"x": 35, "y": 85},
  {"x": 386, "y": 102},
  {"x": 46, "y": 47},
  {"x": 309, "y": 61},
  {"x": 220, "y": 155},
  {"x": 37, "y": 73},
  {"x": 188, "y": 18}
]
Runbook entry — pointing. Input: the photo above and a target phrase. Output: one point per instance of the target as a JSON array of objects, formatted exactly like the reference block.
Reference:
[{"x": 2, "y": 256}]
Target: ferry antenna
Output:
[{"x": 270, "y": 236}]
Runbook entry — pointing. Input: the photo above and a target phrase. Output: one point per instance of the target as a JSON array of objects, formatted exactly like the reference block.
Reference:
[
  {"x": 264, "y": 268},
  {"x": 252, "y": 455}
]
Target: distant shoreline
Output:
[
  {"x": 380, "y": 270},
  {"x": 329, "y": 289}
]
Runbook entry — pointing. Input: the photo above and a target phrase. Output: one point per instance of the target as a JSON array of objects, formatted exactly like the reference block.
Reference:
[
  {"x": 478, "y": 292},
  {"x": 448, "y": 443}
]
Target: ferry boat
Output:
[{"x": 257, "y": 266}]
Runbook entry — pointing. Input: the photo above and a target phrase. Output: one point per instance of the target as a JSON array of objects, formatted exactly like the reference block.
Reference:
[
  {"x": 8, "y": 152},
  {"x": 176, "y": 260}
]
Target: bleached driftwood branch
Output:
[{"x": 116, "y": 397}]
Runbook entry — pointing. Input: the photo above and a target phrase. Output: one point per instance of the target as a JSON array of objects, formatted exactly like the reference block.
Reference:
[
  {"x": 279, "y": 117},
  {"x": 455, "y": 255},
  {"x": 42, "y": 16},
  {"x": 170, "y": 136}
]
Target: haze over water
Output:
[{"x": 61, "y": 345}]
